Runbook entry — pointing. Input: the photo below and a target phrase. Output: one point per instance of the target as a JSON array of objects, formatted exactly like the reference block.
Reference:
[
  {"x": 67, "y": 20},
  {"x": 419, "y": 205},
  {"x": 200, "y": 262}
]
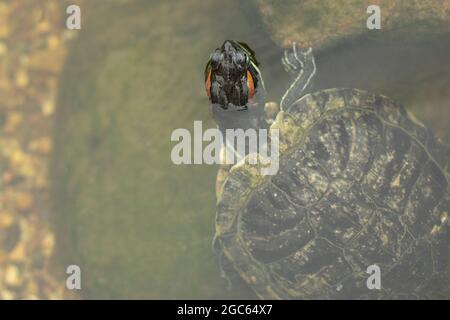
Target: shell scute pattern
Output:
[{"x": 364, "y": 184}]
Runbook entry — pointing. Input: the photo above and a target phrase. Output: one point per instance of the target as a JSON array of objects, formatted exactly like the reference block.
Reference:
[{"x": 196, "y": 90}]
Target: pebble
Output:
[
  {"x": 12, "y": 276},
  {"x": 21, "y": 79},
  {"x": 3, "y": 49},
  {"x": 31, "y": 58},
  {"x": 48, "y": 107}
]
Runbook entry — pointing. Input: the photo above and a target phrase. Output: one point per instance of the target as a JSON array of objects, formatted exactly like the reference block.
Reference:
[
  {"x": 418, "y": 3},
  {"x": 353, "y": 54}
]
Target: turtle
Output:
[{"x": 361, "y": 183}]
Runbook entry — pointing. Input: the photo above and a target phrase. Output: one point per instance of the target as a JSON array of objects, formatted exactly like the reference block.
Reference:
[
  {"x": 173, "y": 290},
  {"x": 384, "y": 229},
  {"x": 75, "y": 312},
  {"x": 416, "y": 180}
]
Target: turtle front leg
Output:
[{"x": 300, "y": 64}]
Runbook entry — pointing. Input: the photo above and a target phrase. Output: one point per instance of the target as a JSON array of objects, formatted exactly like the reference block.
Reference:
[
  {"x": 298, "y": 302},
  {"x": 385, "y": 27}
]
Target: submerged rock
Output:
[
  {"x": 407, "y": 59},
  {"x": 326, "y": 22}
]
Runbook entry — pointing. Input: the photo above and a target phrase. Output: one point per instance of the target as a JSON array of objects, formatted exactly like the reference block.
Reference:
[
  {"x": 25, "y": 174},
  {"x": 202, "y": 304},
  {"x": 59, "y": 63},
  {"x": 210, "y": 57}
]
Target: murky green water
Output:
[{"x": 138, "y": 225}]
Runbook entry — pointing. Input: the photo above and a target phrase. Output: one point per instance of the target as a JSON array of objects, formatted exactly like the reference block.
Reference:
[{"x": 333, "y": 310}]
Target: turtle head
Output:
[
  {"x": 232, "y": 77},
  {"x": 234, "y": 86}
]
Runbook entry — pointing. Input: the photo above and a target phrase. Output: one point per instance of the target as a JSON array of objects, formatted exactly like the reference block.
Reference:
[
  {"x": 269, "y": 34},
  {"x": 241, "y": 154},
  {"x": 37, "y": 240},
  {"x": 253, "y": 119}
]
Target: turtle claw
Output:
[
  {"x": 294, "y": 60},
  {"x": 289, "y": 63},
  {"x": 301, "y": 67},
  {"x": 289, "y": 66}
]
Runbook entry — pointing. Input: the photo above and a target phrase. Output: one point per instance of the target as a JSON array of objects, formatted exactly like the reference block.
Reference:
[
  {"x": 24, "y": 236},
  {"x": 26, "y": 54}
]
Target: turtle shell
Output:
[{"x": 361, "y": 182}]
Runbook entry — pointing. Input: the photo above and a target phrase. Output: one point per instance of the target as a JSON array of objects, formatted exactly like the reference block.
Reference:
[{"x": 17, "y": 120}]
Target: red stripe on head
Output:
[{"x": 250, "y": 85}]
